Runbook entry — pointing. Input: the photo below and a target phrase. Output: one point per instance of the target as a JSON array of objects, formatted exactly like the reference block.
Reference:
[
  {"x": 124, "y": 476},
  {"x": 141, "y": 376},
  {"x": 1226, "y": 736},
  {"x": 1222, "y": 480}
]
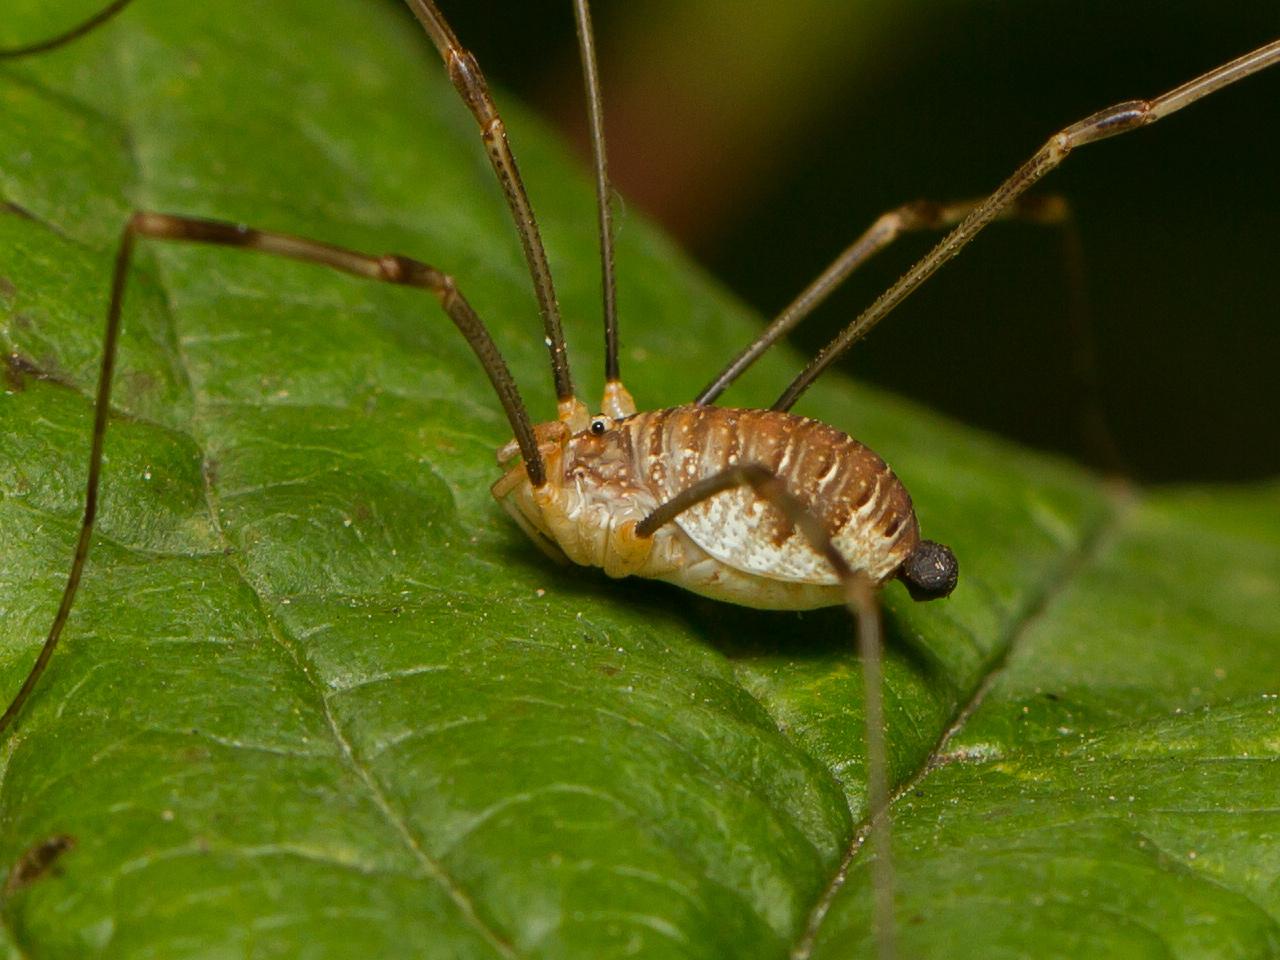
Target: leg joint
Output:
[{"x": 468, "y": 80}]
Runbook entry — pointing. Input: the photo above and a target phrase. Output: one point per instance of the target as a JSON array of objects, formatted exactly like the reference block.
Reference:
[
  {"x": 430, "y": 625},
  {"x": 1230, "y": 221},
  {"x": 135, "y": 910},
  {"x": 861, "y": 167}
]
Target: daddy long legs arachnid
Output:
[{"x": 356, "y": 692}]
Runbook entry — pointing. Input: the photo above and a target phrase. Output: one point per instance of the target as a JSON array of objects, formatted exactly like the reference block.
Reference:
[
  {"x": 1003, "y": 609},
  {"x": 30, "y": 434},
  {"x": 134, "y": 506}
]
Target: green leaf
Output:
[{"x": 320, "y": 698}]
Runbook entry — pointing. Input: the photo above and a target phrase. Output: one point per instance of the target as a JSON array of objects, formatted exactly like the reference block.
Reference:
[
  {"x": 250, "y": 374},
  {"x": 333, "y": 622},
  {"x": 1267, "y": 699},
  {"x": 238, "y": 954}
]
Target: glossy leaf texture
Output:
[{"x": 320, "y": 698}]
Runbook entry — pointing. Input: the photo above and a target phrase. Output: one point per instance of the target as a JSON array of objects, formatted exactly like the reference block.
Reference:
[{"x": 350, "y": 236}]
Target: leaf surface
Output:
[{"x": 320, "y": 698}]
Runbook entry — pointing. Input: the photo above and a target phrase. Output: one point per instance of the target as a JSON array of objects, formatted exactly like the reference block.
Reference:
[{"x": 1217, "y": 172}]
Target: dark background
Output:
[{"x": 766, "y": 134}]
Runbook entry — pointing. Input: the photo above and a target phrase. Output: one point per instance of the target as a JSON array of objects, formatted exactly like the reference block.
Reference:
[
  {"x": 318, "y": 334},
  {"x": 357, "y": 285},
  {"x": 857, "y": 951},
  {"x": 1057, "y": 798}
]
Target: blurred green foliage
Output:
[{"x": 868, "y": 105}]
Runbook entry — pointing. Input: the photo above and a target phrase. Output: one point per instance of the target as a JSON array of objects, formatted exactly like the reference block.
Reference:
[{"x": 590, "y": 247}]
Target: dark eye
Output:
[{"x": 599, "y": 425}]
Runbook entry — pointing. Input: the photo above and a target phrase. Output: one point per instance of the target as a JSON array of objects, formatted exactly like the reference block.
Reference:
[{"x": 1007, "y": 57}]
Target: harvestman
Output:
[{"x": 756, "y": 507}]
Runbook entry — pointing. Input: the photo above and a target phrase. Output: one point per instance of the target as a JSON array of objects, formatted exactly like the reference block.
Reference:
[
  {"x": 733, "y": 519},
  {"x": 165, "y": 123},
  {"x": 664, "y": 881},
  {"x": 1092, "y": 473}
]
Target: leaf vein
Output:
[{"x": 1069, "y": 568}]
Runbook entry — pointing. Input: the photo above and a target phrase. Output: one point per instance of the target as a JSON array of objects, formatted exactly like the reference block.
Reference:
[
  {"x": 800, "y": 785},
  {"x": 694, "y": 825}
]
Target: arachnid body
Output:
[
  {"x": 606, "y": 480},
  {"x": 486, "y": 738},
  {"x": 772, "y": 510}
]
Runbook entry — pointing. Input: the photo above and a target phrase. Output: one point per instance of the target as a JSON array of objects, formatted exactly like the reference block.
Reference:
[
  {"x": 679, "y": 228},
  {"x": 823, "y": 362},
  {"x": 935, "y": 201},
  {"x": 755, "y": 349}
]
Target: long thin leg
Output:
[
  {"x": 1093, "y": 426},
  {"x": 1053, "y": 210},
  {"x": 861, "y": 600},
  {"x": 1114, "y": 120},
  {"x": 595, "y": 110},
  {"x": 888, "y": 227},
  {"x": 467, "y": 78},
  {"x": 389, "y": 268},
  {"x": 79, "y": 30}
]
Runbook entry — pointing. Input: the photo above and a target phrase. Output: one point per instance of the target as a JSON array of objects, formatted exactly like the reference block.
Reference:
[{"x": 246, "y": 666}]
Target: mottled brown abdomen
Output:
[{"x": 863, "y": 506}]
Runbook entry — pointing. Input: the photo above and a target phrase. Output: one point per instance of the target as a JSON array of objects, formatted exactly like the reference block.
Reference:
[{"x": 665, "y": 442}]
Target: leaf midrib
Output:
[
  {"x": 1120, "y": 505},
  {"x": 399, "y": 827},
  {"x": 1017, "y": 627}
]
